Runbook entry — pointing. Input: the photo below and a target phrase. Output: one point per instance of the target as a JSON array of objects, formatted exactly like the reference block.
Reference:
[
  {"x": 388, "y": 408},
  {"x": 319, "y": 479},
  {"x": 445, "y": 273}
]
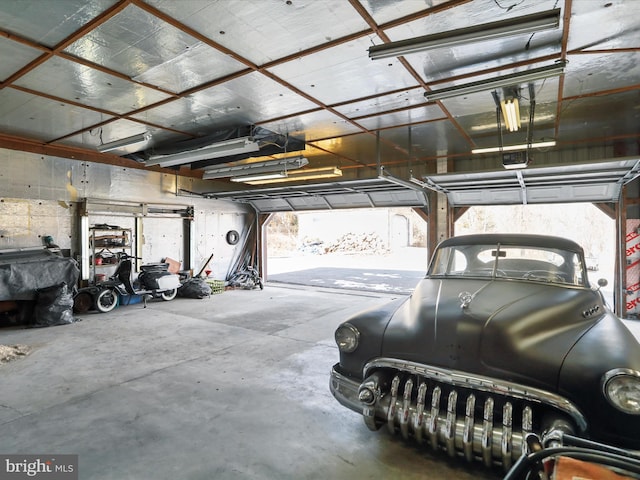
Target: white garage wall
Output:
[{"x": 40, "y": 195}]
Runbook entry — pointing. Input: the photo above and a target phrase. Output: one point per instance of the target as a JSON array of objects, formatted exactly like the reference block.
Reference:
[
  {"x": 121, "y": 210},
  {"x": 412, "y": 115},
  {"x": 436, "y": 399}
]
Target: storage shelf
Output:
[{"x": 107, "y": 242}]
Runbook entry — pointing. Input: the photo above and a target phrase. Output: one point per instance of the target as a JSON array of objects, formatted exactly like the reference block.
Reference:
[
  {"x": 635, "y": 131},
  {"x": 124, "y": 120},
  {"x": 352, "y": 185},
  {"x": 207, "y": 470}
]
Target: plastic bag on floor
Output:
[
  {"x": 54, "y": 306},
  {"x": 195, "y": 287}
]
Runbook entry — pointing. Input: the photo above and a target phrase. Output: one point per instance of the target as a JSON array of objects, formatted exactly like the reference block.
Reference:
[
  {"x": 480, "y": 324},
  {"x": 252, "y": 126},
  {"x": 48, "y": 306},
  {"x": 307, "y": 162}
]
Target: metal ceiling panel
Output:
[
  {"x": 593, "y": 73},
  {"x": 384, "y": 103},
  {"x": 411, "y": 116},
  {"x": 604, "y": 25},
  {"x": 268, "y": 30},
  {"x": 591, "y": 182},
  {"x": 315, "y": 125},
  {"x": 67, "y": 80},
  {"x": 14, "y": 56},
  {"x": 248, "y": 99},
  {"x": 343, "y": 73},
  {"x": 195, "y": 66},
  {"x": 40, "y": 118},
  {"x": 442, "y": 136},
  {"x": 384, "y": 12},
  {"x": 148, "y": 49},
  {"x": 602, "y": 116},
  {"x": 48, "y": 23}
]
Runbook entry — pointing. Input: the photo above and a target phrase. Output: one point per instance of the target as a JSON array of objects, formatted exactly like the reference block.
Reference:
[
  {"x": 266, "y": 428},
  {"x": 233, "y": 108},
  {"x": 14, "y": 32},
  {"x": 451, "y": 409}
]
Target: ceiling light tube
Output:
[
  {"x": 124, "y": 143},
  {"x": 513, "y": 148},
  {"x": 511, "y": 114},
  {"x": 489, "y": 31},
  {"x": 306, "y": 174},
  {"x": 216, "y": 150},
  {"x": 498, "y": 82},
  {"x": 276, "y": 165},
  {"x": 257, "y": 178}
]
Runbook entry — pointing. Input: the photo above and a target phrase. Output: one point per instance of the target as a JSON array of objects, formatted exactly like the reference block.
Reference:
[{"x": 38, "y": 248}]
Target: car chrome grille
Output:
[{"x": 464, "y": 416}]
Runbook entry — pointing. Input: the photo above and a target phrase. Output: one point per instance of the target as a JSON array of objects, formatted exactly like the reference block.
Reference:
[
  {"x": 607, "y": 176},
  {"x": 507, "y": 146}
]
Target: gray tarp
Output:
[{"x": 24, "y": 272}]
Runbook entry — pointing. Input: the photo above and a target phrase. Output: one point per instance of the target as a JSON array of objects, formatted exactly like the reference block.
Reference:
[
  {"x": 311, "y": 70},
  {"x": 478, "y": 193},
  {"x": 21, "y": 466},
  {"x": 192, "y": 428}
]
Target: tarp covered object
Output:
[
  {"x": 54, "y": 306},
  {"x": 22, "y": 273},
  {"x": 194, "y": 288}
]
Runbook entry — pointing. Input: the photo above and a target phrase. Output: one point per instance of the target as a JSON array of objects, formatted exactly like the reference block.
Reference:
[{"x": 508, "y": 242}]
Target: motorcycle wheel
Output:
[
  {"x": 107, "y": 300},
  {"x": 169, "y": 294}
]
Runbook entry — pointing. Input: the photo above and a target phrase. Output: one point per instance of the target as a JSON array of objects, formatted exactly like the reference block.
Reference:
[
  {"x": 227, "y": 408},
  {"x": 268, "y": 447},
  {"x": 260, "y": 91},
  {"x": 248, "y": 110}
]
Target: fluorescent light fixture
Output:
[
  {"x": 306, "y": 174},
  {"x": 514, "y": 148},
  {"x": 498, "y": 82},
  {"x": 222, "y": 171},
  {"x": 215, "y": 150},
  {"x": 258, "y": 177},
  {"x": 511, "y": 114},
  {"x": 126, "y": 143},
  {"x": 489, "y": 31}
]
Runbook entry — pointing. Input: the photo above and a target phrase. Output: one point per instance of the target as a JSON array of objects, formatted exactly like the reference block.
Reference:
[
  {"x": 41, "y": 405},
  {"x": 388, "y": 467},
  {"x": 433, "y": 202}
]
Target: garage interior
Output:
[{"x": 176, "y": 123}]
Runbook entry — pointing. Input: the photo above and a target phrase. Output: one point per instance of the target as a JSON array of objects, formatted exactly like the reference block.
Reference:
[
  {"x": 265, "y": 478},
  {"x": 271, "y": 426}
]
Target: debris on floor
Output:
[
  {"x": 12, "y": 352},
  {"x": 195, "y": 287}
]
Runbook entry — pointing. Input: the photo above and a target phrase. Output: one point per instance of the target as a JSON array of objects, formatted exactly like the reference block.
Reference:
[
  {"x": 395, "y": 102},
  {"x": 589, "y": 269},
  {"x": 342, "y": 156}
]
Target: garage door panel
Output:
[
  {"x": 373, "y": 192},
  {"x": 591, "y": 182}
]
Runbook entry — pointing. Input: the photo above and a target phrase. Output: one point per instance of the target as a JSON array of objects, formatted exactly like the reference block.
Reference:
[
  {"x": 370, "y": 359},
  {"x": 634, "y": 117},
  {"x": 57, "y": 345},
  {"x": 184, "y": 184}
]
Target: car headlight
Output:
[
  {"x": 347, "y": 337},
  {"x": 622, "y": 389}
]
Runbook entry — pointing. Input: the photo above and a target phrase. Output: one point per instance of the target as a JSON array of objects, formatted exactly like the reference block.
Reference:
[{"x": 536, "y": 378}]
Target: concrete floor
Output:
[{"x": 230, "y": 387}]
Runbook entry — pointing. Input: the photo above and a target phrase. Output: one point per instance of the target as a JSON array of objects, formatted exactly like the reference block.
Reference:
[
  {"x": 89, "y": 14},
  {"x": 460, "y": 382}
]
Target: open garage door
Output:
[
  {"x": 600, "y": 182},
  {"x": 369, "y": 193}
]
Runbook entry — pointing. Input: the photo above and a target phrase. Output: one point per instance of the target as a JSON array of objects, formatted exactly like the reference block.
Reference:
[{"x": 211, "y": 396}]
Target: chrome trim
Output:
[
  {"x": 467, "y": 433},
  {"x": 369, "y": 415},
  {"x": 506, "y": 448},
  {"x": 485, "y": 384},
  {"x": 391, "y": 413},
  {"x": 345, "y": 390},
  {"x": 418, "y": 418},
  {"x": 404, "y": 414},
  {"x": 487, "y": 432},
  {"x": 450, "y": 425},
  {"x": 610, "y": 374},
  {"x": 432, "y": 424},
  {"x": 527, "y": 426}
]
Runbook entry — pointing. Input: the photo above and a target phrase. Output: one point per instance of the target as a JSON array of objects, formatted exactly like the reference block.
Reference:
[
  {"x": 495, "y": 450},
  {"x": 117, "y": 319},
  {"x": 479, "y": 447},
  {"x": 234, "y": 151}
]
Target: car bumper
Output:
[{"x": 345, "y": 390}]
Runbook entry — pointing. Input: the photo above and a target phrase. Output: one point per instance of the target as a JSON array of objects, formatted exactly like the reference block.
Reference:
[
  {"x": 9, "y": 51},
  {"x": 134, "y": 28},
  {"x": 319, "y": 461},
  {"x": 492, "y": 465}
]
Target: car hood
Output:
[{"x": 516, "y": 330}]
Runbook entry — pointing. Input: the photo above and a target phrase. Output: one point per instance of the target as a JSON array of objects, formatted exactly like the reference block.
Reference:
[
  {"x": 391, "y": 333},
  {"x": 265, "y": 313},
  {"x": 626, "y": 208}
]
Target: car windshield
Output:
[{"x": 532, "y": 263}]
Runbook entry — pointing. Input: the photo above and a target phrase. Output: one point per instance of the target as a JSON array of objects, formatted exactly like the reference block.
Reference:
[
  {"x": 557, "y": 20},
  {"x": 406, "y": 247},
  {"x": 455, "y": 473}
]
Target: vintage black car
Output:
[{"x": 504, "y": 336}]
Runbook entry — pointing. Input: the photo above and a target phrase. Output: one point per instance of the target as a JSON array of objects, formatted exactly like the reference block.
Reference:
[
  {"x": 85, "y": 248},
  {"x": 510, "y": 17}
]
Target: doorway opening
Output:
[
  {"x": 583, "y": 223},
  {"x": 372, "y": 249}
]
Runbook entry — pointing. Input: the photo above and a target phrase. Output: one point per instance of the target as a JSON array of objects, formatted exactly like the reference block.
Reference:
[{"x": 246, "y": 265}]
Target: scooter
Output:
[{"x": 153, "y": 281}]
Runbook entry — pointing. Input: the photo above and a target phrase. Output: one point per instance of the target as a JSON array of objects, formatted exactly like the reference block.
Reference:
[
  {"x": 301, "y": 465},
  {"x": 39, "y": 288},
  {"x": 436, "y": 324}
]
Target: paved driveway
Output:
[{"x": 394, "y": 272}]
